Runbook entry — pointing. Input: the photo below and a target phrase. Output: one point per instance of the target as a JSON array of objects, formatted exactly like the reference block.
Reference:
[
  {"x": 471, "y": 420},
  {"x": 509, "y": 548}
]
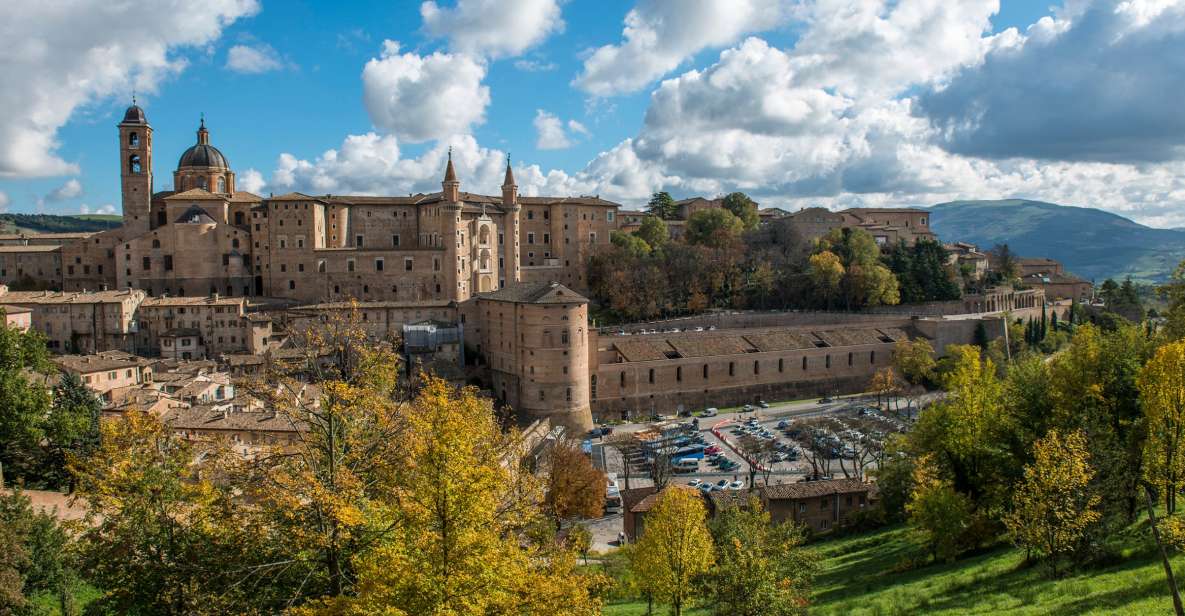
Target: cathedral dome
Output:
[{"x": 203, "y": 155}]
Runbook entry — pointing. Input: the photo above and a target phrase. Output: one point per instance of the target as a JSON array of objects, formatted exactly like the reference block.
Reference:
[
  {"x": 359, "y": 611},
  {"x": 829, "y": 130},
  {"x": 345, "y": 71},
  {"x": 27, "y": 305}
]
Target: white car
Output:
[
  {"x": 694, "y": 483},
  {"x": 709, "y": 412},
  {"x": 736, "y": 485}
]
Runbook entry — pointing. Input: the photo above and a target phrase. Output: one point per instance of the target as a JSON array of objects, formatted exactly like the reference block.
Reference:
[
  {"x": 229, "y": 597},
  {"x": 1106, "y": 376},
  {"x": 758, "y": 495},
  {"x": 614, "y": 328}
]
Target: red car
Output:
[{"x": 711, "y": 449}]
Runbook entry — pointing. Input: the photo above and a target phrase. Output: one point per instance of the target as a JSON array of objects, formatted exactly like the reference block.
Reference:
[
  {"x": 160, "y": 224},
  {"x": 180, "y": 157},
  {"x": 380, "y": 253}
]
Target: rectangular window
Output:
[
  {"x": 609, "y": 216},
  {"x": 679, "y": 373},
  {"x": 652, "y": 375},
  {"x": 705, "y": 372},
  {"x": 395, "y": 240},
  {"x": 781, "y": 364},
  {"x": 546, "y": 238},
  {"x": 804, "y": 363},
  {"x": 358, "y": 241},
  {"x": 168, "y": 263},
  {"x": 732, "y": 368},
  {"x": 530, "y": 238},
  {"x": 147, "y": 263},
  {"x": 828, "y": 363},
  {"x": 349, "y": 265},
  {"x": 407, "y": 264},
  {"x": 378, "y": 265}
]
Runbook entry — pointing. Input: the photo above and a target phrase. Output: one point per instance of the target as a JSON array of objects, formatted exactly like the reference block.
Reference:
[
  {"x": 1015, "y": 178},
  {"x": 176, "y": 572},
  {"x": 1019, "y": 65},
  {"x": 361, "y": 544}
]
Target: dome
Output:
[
  {"x": 203, "y": 155},
  {"x": 134, "y": 115}
]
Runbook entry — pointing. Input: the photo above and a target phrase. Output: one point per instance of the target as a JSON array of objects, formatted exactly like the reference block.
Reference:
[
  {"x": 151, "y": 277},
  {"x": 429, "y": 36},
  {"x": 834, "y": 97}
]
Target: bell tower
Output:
[
  {"x": 135, "y": 164},
  {"x": 510, "y": 256}
]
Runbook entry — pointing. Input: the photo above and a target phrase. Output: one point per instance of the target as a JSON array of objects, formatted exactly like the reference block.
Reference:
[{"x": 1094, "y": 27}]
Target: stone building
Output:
[
  {"x": 82, "y": 322},
  {"x": 200, "y": 327},
  {"x": 107, "y": 372},
  {"x": 535, "y": 340},
  {"x": 665, "y": 373},
  {"x": 31, "y": 266},
  {"x": 818, "y": 505}
]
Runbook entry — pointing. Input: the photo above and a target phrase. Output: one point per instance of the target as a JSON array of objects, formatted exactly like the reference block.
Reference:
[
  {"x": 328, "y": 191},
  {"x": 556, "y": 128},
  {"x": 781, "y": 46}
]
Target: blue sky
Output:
[{"x": 891, "y": 129}]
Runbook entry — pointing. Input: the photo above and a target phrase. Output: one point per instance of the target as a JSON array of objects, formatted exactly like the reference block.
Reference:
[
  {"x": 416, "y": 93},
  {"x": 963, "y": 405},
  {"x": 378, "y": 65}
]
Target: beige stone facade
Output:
[
  {"x": 82, "y": 322},
  {"x": 37, "y": 266},
  {"x": 106, "y": 372}
]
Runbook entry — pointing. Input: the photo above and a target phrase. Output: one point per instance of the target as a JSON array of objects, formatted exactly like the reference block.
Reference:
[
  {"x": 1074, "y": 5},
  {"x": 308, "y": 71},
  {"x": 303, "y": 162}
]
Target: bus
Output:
[
  {"x": 612, "y": 495},
  {"x": 685, "y": 465}
]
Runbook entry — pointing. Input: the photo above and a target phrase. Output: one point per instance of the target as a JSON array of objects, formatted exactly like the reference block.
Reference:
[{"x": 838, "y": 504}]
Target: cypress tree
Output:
[{"x": 1044, "y": 324}]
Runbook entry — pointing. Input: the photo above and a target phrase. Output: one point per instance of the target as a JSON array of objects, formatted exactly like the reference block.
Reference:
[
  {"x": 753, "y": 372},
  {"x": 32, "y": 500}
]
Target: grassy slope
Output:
[
  {"x": 859, "y": 578},
  {"x": 1091, "y": 243}
]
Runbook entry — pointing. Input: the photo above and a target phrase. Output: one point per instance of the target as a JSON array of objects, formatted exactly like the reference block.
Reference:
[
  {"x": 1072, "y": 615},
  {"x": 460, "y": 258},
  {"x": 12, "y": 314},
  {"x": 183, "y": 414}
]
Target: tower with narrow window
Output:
[
  {"x": 510, "y": 272},
  {"x": 135, "y": 162},
  {"x": 456, "y": 267}
]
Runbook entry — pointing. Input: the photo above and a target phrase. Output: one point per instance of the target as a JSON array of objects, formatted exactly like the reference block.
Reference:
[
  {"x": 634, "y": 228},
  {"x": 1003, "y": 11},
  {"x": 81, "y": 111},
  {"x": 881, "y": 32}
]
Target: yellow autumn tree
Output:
[
  {"x": 1162, "y": 397},
  {"x": 675, "y": 547},
  {"x": 316, "y": 496},
  {"x": 1053, "y": 506},
  {"x": 914, "y": 360},
  {"x": 574, "y": 488},
  {"x": 464, "y": 525},
  {"x": 884, "y": 383}
]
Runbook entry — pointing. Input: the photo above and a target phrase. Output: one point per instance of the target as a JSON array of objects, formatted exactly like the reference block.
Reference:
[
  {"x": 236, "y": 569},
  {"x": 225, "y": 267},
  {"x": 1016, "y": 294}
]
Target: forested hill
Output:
[
  {"x": 1090, "y": 243},
  {"x": 51, "y": 223}
]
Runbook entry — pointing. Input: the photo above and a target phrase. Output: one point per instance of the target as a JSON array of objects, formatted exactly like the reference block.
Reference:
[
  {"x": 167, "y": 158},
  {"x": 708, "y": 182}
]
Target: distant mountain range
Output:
[{"x": 1091, "y": 243}]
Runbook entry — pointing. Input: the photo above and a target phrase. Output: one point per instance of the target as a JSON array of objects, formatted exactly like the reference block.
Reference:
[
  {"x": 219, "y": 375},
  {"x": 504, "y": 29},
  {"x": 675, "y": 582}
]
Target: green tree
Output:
[
  {"x": 1173, "y": 293},
  {"x": 71, "y": 427},
  {"x": 661, "y": 205},
  {"x": 1004, "y": 263},
  {"x": 938, "y": 512},
  {"x": 23, "y": 405},
  {"x": 714, "y": 228},
  {"x": 866, "y": 281},
  {"x": 631, "y": 244},
  {"x": 762, "y": 569},
  {"x": 654, "y": 232},
  {"x": 675, "y": 548},
  {"x": 33, "y": 553},
  {"x": 743, "y": 208}
]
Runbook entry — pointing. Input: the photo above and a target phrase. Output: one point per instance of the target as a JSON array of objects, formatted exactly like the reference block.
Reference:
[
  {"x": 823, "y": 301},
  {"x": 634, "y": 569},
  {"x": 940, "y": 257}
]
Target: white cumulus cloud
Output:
[
  {"x": 58, "y": 57},
  {"x": 550, "y": 133},
  {"x": 251, "y": 181},
  {"x": 253, "y": 59},
  {"x": 493, "y": 28},
  {"x": 660, "y": 35},
  {"x": 419, "y": 98},
  {"x": 71, "y": 189}
]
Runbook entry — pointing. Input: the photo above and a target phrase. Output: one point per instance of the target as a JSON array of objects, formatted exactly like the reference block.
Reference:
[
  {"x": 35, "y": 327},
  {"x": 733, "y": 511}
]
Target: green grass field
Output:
[
  {"x": 859, "y": 578},
  {"x": 863, "y": 576}
]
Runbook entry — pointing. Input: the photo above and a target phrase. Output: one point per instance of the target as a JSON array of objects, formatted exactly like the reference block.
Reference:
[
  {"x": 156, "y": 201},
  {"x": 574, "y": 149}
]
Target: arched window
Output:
[
  {"x": 201, "y": 182},
  {"x": 134, "y": 163},
  {"x": 234, "y": 243},
  {"x": 156, "y": 243},
  {"x": 221, "y": 185},
  {"x": 484, "y": 236},
  {"x": 134, "y": 140}
]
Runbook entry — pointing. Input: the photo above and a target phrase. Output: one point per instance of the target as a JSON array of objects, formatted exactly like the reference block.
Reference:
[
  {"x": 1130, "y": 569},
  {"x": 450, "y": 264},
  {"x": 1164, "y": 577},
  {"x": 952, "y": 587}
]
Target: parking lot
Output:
[{"x": 807, "y": 439}]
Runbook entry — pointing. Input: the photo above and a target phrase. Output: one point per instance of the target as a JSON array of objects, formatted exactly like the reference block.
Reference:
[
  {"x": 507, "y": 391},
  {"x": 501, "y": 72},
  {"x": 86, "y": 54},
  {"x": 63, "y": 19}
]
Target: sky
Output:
[{"x": 838, "y": 103}]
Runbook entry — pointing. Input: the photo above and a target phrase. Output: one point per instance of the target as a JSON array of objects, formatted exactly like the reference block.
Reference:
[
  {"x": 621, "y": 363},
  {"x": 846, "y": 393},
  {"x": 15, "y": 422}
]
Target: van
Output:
[
  {"x": 685, "y": 465},
  {"x": 709, "y": 412}
]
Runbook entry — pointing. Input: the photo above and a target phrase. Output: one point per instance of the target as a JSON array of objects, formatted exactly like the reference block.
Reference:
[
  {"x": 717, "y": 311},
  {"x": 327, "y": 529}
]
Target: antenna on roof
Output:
[{"x": 133, "y": 96}]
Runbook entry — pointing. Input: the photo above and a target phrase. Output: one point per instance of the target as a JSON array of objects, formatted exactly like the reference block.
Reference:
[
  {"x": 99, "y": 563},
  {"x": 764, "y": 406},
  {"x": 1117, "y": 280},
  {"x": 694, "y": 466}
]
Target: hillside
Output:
[
  {"x": 1091, "y": 243},
  {"x": 51, "y": 223},
  {"x": 864, "y": 575}
]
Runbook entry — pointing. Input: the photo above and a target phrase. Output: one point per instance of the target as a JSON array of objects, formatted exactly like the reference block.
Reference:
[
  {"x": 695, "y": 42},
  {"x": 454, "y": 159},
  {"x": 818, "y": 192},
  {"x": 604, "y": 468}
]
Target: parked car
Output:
[
  {"x": 709, "y": 412},
  {"x": 694, "y": 483},
  {"x": 826, "y": 400},
  {"x": 763, "y": 404},
  {"x": 723, "y": 483},
  {"x": 736, "y": 485},
  {"x": 748, "y": 408}
]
